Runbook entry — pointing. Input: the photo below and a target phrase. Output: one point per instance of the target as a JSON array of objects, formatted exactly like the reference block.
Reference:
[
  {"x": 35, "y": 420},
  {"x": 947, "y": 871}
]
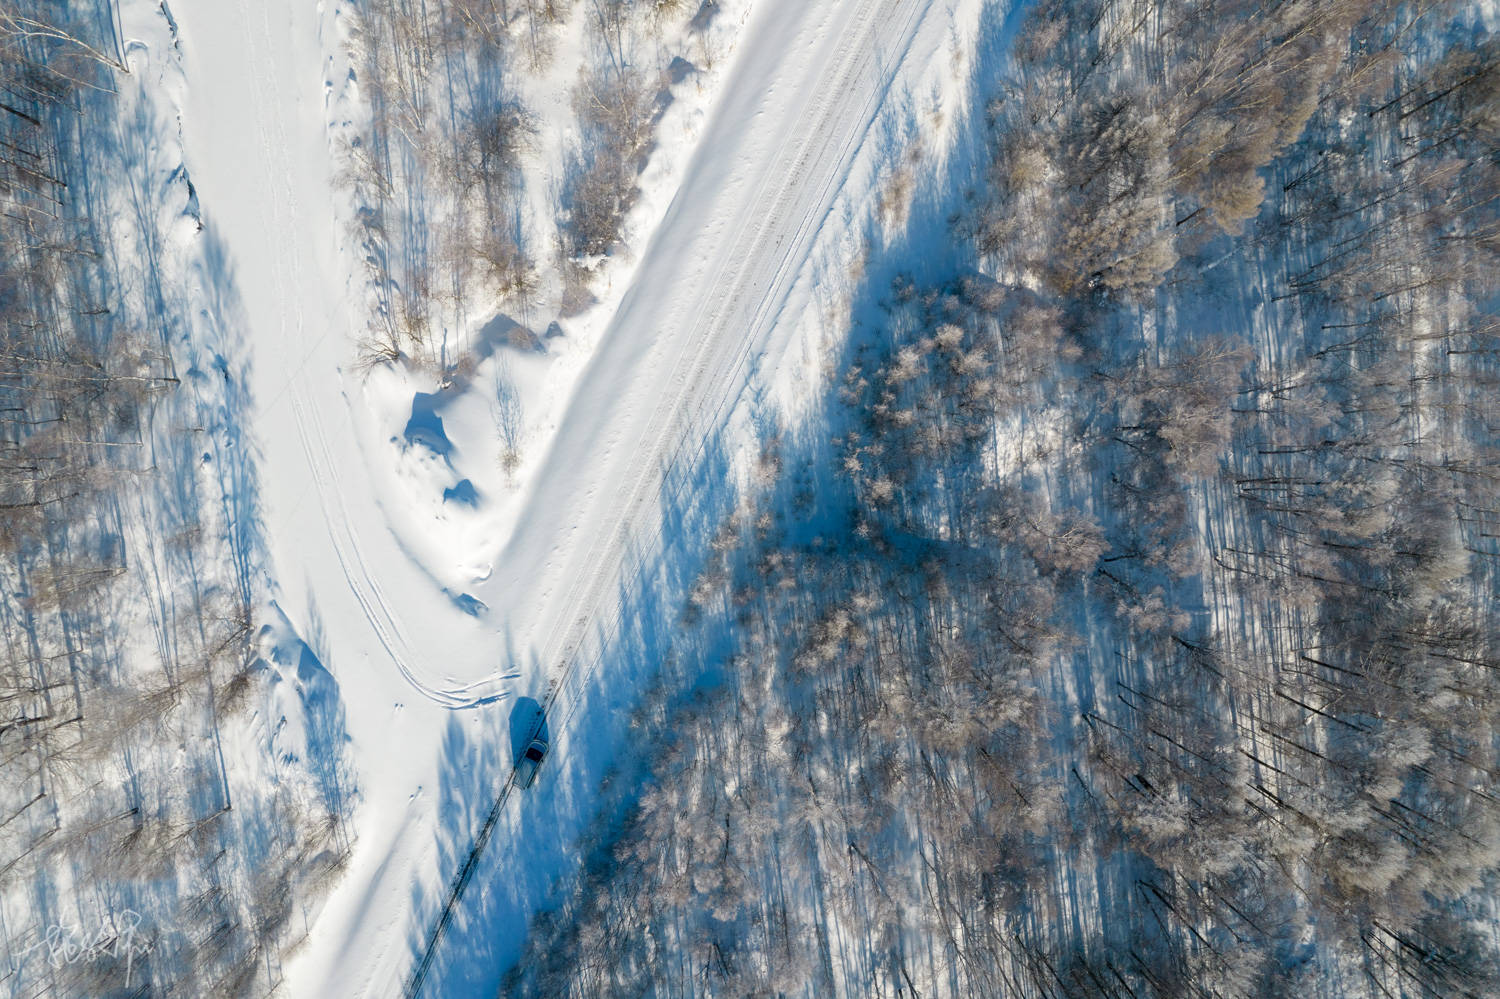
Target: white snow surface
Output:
[{"x": 435, "y": 613}]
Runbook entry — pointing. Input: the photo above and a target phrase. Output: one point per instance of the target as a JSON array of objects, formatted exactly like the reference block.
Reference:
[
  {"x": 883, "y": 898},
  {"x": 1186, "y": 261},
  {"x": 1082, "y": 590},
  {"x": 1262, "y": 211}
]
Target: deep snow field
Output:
[{"x": 448, "y": 597}]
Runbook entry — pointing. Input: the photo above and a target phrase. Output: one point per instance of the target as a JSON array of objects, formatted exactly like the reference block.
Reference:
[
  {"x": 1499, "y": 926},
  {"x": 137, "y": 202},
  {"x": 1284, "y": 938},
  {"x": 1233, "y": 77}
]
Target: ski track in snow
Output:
[{"x": 687, "y": 340}]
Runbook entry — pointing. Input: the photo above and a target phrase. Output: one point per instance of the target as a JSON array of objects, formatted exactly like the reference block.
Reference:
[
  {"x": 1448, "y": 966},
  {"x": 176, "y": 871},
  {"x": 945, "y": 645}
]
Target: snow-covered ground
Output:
[{"x": 438, "y": 607}]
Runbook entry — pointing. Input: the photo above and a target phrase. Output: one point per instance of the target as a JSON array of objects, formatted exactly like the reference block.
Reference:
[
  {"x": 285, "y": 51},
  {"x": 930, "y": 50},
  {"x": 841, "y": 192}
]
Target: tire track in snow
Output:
[
  {"x": 705, "y": 375},
  {"x": 309, "y": 419}
]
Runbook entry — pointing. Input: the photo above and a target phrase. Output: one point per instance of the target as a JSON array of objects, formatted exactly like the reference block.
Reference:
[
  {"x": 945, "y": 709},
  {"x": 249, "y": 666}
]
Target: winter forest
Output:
[{"x": 1114, "y": 615}]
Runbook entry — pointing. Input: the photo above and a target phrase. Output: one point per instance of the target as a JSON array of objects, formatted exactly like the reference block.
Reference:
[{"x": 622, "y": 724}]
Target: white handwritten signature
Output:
[{"x": 68, "y": 945}]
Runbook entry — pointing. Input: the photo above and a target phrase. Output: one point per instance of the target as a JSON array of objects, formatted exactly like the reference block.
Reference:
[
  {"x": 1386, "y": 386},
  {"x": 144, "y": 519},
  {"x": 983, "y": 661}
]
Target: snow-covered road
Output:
[
  {"x": 264, "y": 82},
  {"x": 699, "y": 313}
]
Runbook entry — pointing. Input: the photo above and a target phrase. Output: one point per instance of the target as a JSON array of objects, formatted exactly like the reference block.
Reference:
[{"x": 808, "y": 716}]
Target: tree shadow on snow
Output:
[{"x": 533, "y": 852}]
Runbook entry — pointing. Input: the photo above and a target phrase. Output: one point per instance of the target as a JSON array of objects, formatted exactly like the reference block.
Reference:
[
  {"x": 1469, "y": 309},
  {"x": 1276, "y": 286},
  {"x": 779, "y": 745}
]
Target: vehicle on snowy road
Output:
[{"x": 530, "y": 762}]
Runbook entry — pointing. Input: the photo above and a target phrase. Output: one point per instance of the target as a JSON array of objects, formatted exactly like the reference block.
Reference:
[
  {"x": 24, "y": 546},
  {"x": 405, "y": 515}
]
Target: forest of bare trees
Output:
[
  {"x": 447, "y": 219},
  {"x": 130, "y": 862},
  {"x": 437, "y": 170},
  {"x": 1128, "y": 628}
]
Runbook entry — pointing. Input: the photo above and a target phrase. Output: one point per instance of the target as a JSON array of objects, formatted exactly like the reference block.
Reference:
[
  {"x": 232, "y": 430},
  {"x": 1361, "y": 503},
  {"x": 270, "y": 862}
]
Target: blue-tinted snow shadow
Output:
[
  {"x": 463, "y": 493},
  {"x": 425, "y": 427},
  {"x": 534, "y": 851},
  {"x": 527, "y": 722}
]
